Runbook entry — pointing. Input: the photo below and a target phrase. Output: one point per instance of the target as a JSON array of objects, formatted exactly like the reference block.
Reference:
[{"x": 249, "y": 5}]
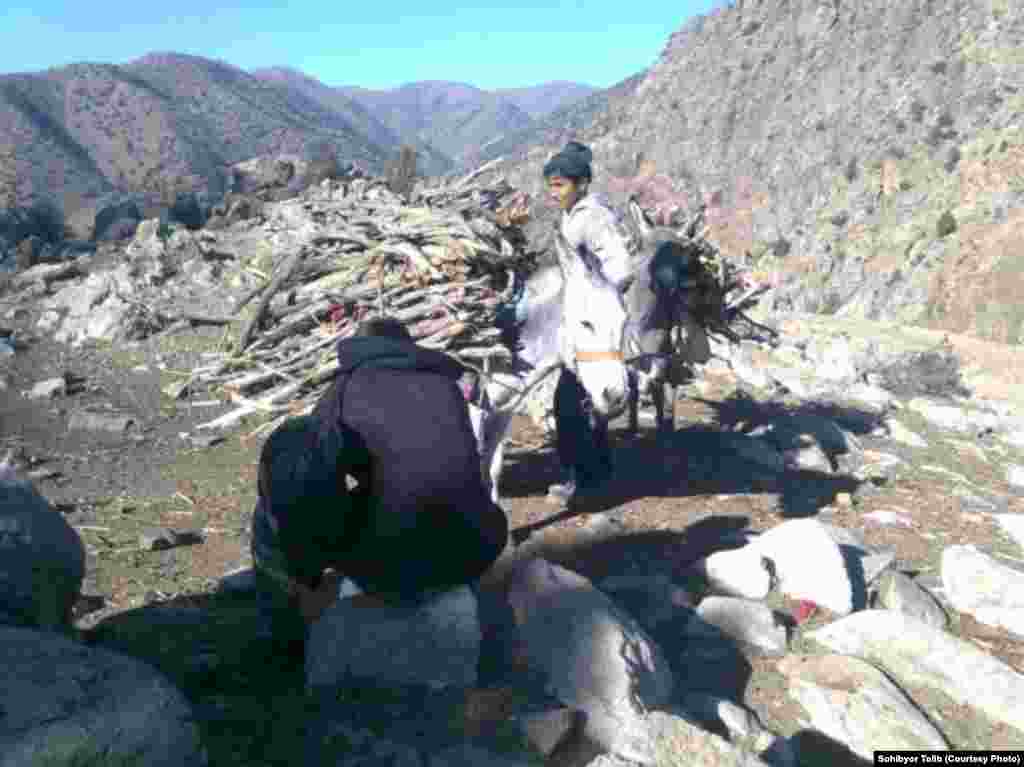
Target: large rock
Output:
[
  {"x": 66, "y": 704},
  {"x": 913, "y": 652},
  {"x": 808, "y": 563},
  {"x": 42, "y": 559},
  {"x": 896, "y": 591},
  {"x": 594, "y": 656},
  {"x": 749, "y": 623},
  {"x": 262, "y": 174},
  {"x": 739, "y": 572},
  {"x": 989, "y": 590},
  {"x": 853, "y": 702},
  {"x": 436, "y": 644}
]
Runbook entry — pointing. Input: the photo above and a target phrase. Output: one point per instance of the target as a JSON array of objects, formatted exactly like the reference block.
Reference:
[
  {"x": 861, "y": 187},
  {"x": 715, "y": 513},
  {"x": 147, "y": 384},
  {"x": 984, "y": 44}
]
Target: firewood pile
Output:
[{"x": 442, "y": 266}]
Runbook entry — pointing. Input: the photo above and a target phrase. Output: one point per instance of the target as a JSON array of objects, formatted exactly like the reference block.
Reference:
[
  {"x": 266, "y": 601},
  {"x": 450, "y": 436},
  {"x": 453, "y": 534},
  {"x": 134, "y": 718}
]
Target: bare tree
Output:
[{"x": 401, "y": 172}]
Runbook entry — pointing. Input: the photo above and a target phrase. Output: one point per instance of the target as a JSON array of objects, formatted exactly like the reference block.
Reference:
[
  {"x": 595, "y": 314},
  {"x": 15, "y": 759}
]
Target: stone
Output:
[
  {"x": 738, "y": 572},
  {"x": 808, "y": 563},
  {"x": 889, "y": 517},
  {"x": 853, "y": 702},
  {"x": 897, "y": 591},
  {"x": 48, "y": 389},
  {"x": 42, "y": 558},
  {"x": 954, "y": 418},
  {"x": 594, "y": 655},
  {"x": 88, "y": 421},
  {"x": 69, "y": 704},
  {"x": 914, "y": 653},
  {"x": 978, "y": 584},
  {"x": 436, "y": 644},
  {"x": 837, "y": 362},
  {"x": 747, "y": 622},
  {"x": 900, "y": 433},
  {"x": 1015, "y": 476},
  {"x": 1013, "y": 525}
]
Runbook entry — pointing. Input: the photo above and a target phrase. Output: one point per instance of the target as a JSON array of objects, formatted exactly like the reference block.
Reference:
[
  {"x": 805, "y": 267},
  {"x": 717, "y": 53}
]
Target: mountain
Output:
[
  {"x": 431, "y": 161},
  {"x": 82, "y": 131},
  {"x": 541, "y": 100},
  {"x": 454, "y": 117},
  {"x": 868, "y": 156}
]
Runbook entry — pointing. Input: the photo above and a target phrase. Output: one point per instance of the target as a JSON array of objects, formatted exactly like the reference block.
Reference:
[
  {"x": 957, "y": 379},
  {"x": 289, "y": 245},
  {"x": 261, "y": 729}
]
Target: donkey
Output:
[
  {"x": 662, "y": 331},
  {"x": 580, "y": 324}
]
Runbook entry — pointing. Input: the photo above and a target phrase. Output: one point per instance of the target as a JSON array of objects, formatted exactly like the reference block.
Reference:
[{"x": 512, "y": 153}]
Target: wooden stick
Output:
[{"x": 275, "y": 285}]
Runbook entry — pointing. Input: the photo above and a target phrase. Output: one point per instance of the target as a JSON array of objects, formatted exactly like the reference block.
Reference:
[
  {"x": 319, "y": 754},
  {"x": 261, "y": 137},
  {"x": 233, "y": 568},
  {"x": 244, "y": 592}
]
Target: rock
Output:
[
  {"x": 594, "y": 655},
  {"x": 436, "y": 644},
  {"x": 42, "y": 559},
  {"x": 1013, "y": 524},
  {"x": 68, "y": 704},
  {"x": 914, "y": 653},
  {"x": 160, "y": 538},
  {"x": 808, "y": 563},
  {"x": 837, "y": 362},
  {"x": 954, "y": 418},
  {"x": 875, "y": 397},
  {"x": 890, "y": 517},
  {"x": 747, "y": 622},
  {"x": 87, "y": 421},
  {"x": 147, "y": 253},
  {"x": 177, "y": 390},
  {"x": 1015, "y": 476},
  {"x": 654, "y": 600},
  {"x": 896, "y": 591},
  {"x": 672, "y": 736},
  {"x": 900, "y": 433},
  {"x": 544, "y": 730},
  {"x": 738, "y": 572},
  {"x": 978, "y": 584},
  {"x": 853, "y": 702},
  {"x": 48, "y": 389}
]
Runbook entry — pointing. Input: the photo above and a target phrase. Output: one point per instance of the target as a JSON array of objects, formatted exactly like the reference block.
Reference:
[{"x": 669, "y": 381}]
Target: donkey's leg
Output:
[
  {"x": 668, "y": 422},
  {"x": 497, "y": 432},
  {"x": 634, "y": 403}
]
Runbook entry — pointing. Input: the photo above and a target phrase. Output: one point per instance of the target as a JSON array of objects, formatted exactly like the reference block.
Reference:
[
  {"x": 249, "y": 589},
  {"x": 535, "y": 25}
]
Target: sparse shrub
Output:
[
  {"x": 851, "y": 172},
  {"x": 935, "y": 136},
  {"x": 781, "y": 247},
  {"x": 831, "y": 304},
  {"x": 932, "y": 373},
  {"x": 820, "y": 126},
  {"x": 900, "y": 126},
  {"x": 952, "y": 159},
  {"x": 945, "y": 119},
  {"x": 939, "y": 67},
  {"x": 906, "y": 185},
  {"x": 897, "y": 152},
  {"x": 917, "y": 110},
  {"x": 401, "y": 172},
  {"x": 840, "y": 219},
  {"x": 946, "y": 225}
]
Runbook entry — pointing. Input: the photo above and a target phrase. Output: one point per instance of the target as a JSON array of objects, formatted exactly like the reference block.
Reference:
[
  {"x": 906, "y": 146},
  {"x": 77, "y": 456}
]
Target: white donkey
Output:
[{"x": 580, "y": 324}]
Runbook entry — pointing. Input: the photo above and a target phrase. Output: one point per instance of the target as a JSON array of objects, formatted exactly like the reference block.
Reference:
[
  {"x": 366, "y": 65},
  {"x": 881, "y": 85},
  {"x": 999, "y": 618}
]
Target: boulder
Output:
[
  {"x": 594, "y": 656},
  {"x": 42, "y": 559},
  {"x": 67, "y": 704},
  {"x": 436, "y": 644}
]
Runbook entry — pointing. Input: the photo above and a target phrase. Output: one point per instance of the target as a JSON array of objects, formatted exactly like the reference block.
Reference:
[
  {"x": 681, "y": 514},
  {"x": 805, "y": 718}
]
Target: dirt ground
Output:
[{"x": 671, "y": 504}]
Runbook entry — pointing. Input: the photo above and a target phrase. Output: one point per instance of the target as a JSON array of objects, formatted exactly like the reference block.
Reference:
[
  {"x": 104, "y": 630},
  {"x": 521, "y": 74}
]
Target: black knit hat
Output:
[{"x": 572, "y": 162}]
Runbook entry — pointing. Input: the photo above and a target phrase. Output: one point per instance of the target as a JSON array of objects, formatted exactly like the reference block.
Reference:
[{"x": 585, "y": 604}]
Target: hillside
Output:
[
  {"x": 82, "y": 131},
  {"x": 538, "y": 101},
  {"x": 431, "y": 161},
  {"x": 869, "y": 156}
]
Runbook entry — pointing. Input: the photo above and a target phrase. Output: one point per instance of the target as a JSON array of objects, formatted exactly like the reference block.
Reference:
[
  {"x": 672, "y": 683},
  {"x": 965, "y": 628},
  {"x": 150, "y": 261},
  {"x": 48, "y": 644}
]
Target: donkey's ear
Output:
[{"x": 643, "y": 224}]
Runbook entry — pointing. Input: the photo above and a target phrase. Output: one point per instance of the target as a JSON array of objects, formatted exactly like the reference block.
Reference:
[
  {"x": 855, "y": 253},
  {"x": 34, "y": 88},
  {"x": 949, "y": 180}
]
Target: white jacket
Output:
[{"x": 594, "y": 224}]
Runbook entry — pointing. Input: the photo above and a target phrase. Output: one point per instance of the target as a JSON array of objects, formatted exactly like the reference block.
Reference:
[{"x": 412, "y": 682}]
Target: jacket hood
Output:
[{"x": 392, "y": 354}]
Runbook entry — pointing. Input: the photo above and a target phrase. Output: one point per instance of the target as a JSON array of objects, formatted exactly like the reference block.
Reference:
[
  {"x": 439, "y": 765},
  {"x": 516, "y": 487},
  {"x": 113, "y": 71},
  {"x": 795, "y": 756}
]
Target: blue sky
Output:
[{"x": 357, "y": 42}]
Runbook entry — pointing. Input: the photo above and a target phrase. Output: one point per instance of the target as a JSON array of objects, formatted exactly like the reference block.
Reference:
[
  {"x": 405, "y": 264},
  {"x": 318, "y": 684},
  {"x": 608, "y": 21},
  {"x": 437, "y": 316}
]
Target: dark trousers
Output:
[{"x": 580, "y": 438}]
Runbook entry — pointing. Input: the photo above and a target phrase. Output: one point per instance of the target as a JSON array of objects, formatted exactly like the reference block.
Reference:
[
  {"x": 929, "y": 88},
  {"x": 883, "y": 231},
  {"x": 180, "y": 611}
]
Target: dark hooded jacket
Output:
[{"x": 430, "y": 522}]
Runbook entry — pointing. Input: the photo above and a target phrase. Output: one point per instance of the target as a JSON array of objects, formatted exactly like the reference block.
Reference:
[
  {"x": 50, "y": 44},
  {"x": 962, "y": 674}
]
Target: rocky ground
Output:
[
  {"x": 886, "y": 462},
  {"x": 936, "y": 480}
]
